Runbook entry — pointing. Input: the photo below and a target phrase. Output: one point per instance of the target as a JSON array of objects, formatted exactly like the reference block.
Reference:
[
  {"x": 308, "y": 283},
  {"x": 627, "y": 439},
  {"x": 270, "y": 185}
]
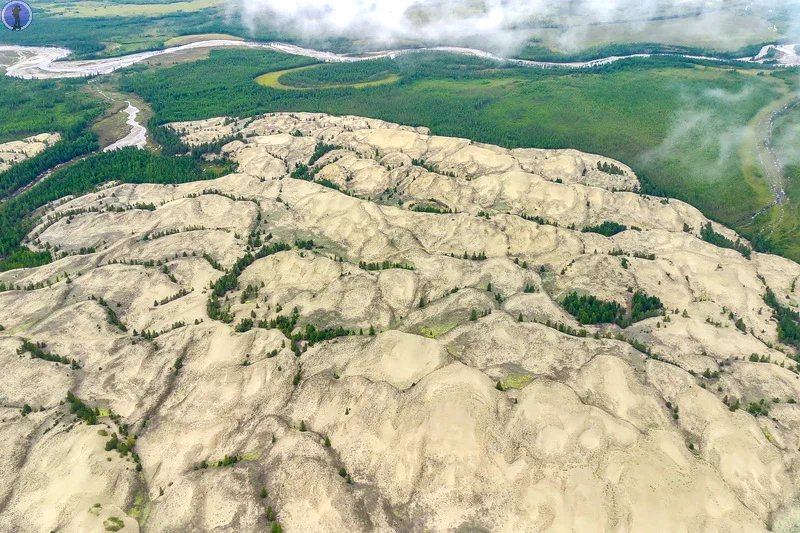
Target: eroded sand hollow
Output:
[{"x": 588, "y": 435}]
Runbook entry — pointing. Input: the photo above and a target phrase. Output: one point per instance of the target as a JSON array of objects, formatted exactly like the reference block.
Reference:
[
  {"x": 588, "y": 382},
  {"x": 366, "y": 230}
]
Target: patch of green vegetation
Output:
[
  {"x": 592, "y": 310},
  {"x": 607, "y": 228},
  {"x": 141, "y": 508},
  {"x": 517, "y": 381},
  {"x": 708, "y": 234},
  {"x": 113, "y": 523},
  {"x": 433, "y": 330},
  {"x": 118, "y": 29},
  {"x": 37, "y": 352},
  {"x": 788, "y": 320},
  {"x": 252, "y": 456},
  {"x": 81, "y": 410}
]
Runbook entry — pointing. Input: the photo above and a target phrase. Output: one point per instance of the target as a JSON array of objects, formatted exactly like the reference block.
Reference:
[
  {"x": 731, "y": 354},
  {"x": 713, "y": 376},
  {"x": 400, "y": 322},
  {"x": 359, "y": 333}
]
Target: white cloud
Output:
[{"x": 501, "y": 23}]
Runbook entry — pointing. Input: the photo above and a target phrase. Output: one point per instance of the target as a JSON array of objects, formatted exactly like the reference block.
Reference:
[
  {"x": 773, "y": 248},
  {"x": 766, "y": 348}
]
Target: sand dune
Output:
[{"x": 443, "y": 420}]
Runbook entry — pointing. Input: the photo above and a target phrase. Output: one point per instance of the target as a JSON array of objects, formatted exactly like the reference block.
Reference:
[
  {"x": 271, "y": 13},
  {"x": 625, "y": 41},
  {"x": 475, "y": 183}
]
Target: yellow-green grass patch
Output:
[{"x": 272, "y": 80}]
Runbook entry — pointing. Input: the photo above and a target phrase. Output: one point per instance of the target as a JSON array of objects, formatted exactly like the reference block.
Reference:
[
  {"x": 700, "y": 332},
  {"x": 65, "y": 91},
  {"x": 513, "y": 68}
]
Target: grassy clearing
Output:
[
  {"x": 273, "y": 80},
  {"x": 517, "y": 381},
  {"x": 434, "y": 329},
  {"x": 186, "y": 39},
  {"x": 92, "y": 9}
]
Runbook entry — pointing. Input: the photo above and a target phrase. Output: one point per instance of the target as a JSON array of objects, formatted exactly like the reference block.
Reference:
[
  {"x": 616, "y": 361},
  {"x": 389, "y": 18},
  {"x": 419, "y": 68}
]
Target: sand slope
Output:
[{"x": 16, "y": 151}]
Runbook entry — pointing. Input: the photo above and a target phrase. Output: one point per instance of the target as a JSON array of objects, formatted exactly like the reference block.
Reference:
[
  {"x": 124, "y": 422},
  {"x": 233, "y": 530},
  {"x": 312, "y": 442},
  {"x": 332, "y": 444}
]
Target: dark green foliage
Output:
[
  {"x": 31, "y": 107},
  {"x": 539, "y": 220},
  {"x": 788, "y": 320},
  {"x": 320, "y": 150},
  {"x": 26, "y": 410},
  {"x": 385, "y": 265},
  {"x": 270, "y": 513},
  {"x": 708, "y": 234},
  {"x": 327, "y": 442},
  {"x": 81, "y": 410},
  {"x": 610, "y": 168},
  {"x": 123, "y": 446},
  {"x": 263, "y": 492},
  {"x": 474, "y": 257},
  {"x": 24, "y": 258},
  {"x": 127, "y": 165},
  {"x": 111, "y": 315},
  {"x": 246, "y": 324},
  {"x": 643, "y": 255},
  {"x": 423, "y": 164},
  {"x": 760, "y": 408},
  {"x": 432, "y": 209},
  {"x": 229, "y": 460},
  {"x": 607, "y": 228},
  {"x": 180, "y": 294},
  {"x": 37, "y": 352},
  {"x": 276, "y": 528},
  {"x": 27, "y": 171},
  {"x": 591, "y": 310},
  {"x": 213, "y": 263},
  {"x": 644, "y": 306}
]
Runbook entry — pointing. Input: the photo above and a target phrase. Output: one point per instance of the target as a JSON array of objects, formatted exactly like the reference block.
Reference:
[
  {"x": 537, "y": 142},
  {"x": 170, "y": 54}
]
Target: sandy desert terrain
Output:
[
  {"x": 15, "y": 151},
  {"x": 412, "y": 369}
]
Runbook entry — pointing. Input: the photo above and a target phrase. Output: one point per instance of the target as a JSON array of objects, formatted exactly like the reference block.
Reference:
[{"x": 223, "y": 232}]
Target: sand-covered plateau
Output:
[{"x": 411, "y": 369}]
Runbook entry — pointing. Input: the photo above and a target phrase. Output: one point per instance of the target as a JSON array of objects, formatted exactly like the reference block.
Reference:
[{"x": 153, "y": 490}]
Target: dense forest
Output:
[
  {"x": 31, "y": 107},
  {"x": 592, "y": 310}
]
